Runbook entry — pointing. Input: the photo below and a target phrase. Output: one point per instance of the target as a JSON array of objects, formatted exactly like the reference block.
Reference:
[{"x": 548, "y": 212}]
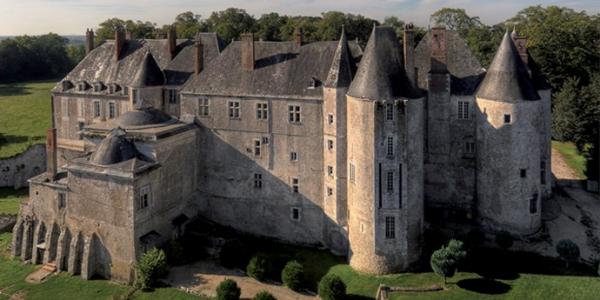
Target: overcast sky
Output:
[{"x": 74, "y": 16}]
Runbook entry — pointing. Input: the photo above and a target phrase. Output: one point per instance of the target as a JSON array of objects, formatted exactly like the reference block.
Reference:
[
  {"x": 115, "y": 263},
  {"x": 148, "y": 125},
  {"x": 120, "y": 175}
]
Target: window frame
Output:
[
  {"x": 61, "y": 200},
  {"x": 234, "y": 109},
  {"x": 330, "y": 119},
  {"x": 258, "y": 183},
  {"x": 257, "y": 147},
  {"x": 295, "y": 185},
  {"x": 296, "y": 214},
  {"x": 262, "y": 111},
  {"x": 97, "y": 109},
  {"x": 112, "y": 105},
  {"x": 463, "y": 110},
  {"x": 507, "y": 119},
  {"x": 390, "y": 227},
  {"x": 389, "y": 181},
  {"x": 389, "y": 111},
  {"x": 330, "y": 144},
  {"x": 144, "y": 197},
  {"x": 203, "y": 107},
  {"x": 294, "y": 114},
  {"x": 294, "y": 156},
  {"x": 390, "y": 146},
  {"x": 330, "y": 171}
]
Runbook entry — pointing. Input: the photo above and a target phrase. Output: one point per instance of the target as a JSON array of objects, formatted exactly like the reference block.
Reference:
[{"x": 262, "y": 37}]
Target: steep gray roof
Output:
[
  {"x": 113, "y": 149},
  {"x": 148, "y": 74},
  {"x": 343, "y": 67},
  {"x": 507, "y": 78},
  {"x": 464, "y": 68},
  {"x": 281, "y": 69},
  {"x": 381, "y": 74}
]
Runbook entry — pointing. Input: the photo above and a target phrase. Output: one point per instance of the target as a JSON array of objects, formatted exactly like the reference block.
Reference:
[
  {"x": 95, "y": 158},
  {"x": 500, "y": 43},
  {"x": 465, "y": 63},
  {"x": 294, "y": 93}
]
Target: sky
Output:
[{"x": 74, "y": 16}]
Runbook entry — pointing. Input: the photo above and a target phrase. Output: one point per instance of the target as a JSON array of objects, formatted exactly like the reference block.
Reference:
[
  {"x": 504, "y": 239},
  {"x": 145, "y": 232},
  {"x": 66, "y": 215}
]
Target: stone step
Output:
[{"x": 50, "y": 267}]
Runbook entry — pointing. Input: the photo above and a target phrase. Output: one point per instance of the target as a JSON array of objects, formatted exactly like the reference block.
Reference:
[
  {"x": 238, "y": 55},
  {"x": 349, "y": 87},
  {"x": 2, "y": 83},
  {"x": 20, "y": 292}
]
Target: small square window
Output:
[
  {"x": 203, "y": 108},
  {"x": 257, "y": 180},
  {"x": 470, "y": 147},
  {"x": 234, "y": 109},
  {"x": 295, "y": 214},
  {"x": 523, "y": 173},
  {"x": 256, "y": 147},
  {"x": 329, "y": 191},
  {"x": 330, "y": 119},
  {"x": 330, "y": 170},
  {"x": 294, "y": 114},
  {"x": 506, "y": 119},
  {"x": 265, "y": 139},
  {"x": 262, "y": 111},
  {"x": 329, "y": 144},
  {"x": 295, "y": 185},
  {"x": 293, "y": 156}
]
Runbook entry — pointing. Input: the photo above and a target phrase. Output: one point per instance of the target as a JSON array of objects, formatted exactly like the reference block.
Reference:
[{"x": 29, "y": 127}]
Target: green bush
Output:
[
  {"x": 257, "y": 267},
  {"x": 504, "y": 240},
  {"x": 151, "y": 266},
  {"x": 232, "y": 255},
  {"x": 443, "y": 263},
  {"x": 331, "y": 287},
  {"x": 228, "y": 290},
  {"x": 264, "y": 295},
  {"x": 292, "y": 275},
  {"x": 568, "y": 250}
]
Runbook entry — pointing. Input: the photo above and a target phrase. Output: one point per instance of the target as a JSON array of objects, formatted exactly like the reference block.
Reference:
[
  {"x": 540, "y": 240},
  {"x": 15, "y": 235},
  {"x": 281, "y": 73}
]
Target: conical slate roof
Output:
[
  {"x": 381, "y": 74},
  {"x": 341, "y": 71},
  {"x": 114, "y": 148},
  {"x": 507, "y": 78},
  {"x": 149, "y": 73}
]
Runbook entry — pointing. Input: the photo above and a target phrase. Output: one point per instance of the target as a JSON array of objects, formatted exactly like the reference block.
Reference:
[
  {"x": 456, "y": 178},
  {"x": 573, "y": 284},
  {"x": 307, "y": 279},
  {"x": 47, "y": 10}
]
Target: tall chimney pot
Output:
[
  {"x": 172, "y": 41},
  {"x": 119, "y": 42},
  {"x": 247, "y": 48},
  {"x": 199, "y": 56},
  {"x": 439, "y": 59},
  {"x": 89, "y": 41},
  {"x": 298, "y": 37},
  {"x": 51, "y": 163},
  {"x": 409, "y": 53}
]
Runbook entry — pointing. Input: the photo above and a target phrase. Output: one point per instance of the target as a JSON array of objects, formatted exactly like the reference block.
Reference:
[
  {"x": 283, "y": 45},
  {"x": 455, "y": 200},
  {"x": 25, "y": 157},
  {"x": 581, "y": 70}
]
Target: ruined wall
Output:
[{"x": 15, "y": 171}]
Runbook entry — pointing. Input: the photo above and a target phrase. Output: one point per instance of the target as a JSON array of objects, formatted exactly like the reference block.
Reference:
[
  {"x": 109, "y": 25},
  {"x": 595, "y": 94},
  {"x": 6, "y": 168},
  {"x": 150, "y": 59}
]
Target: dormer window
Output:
[
  {"x": 125, "y": 91},
  {"x": 67, "y": 85},
  {"x": 98, "y": 87},
  {"x": 135, "y": 95},
  {"x": 81, "y": 86},
  {"x": 113, "y": 88},
  {"x": 313, "y": 83}
]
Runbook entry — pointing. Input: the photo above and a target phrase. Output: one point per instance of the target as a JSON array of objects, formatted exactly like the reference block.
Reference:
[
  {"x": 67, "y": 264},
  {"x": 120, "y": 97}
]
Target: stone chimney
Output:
[
  {"x": 298, "y": 37},
  {"x": 89, "y": 41},
  {"x": 128, "y": 35},
  {"x": 199, "y": 61},
  {"x": 438, "y": 50},
  {"x": 172, "y": 41},
  {"x": 247, "y": 48},
  {"x": 409, "y": 53},
  {"x": 51, "y": 164},
  {"x": 521, "y": 44},
  {"x": 119, "y": 42}
]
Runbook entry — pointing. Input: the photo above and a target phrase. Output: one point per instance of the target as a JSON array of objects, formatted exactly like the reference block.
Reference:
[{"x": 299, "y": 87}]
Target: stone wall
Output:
[{"x": 15, "y": 171}]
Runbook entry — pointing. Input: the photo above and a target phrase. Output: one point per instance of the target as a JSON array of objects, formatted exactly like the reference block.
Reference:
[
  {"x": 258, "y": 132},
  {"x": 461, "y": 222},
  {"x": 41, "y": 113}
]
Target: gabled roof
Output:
[
  {"x": 343, "y": 67},
  {"x": 381, "y": 74},
  {"x": 148, "y": 74},
  {"x": 507, "y": 78}
]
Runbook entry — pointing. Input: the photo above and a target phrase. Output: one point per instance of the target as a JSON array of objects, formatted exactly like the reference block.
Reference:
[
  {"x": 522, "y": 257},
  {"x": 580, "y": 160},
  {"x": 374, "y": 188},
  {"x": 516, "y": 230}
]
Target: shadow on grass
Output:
[
  {"x": 484, "y": 286},
  {"x": 13, "y": 90},
  {"x": 10, "y": 139},
  {"x": 357, "y": 297}
]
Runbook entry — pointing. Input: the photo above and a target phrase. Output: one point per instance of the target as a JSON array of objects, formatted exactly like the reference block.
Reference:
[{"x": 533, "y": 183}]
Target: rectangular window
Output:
[
  {"x": 96, "y": 109},
  {"x": 390, "y": 146},
  {"x": 294, "y": 114},
  {"x": 543, "y": 172},
  {"x": 80, "y": 108},
  {"x": 329, "y": 144},
  {"x": 523, "y": 173},
  {"x": 135, "y": 94},
  {"x": 463, "y": 110},
  {"x": 352, "y": 173},
  {"x": 533, "y": 204},
  {"x": 469, "y": 147},
  {"x": 81, "y": 86},
  {"x": 262, "y": 111},
  {"x": 390, "y": 182},
  {"x": 295, "y": 185},
  {"x": 172, "y": 96},
  {"x": 390, "y": 227},
  {"x": 330, "y": 119},
  {"x": 265, "y": 140},
  {"x": 257, "y": 180},
  {"x": 329, "y": 191},
  {"x": 234, "y": 109},
  {"x": 112, "y": 110},
  {"x": 97, "y": 87},
  {"x": 125, "y": 91},
  {"x": 330, "y": 170},
  {"x": 203, "y": 106},
  {"x": 256, "y": 147},
  {"x": 62, "y": 200},
  {"x": 506, "y": 119},
  {"x": 144, "y": 197},
  {"x": 111, "y": 88},
  {"x": 389, "y": 111},
  {"x": 295, "y": 213},
  {"x": 400, "y": 186},
  {"x": 293, "y": 156}
]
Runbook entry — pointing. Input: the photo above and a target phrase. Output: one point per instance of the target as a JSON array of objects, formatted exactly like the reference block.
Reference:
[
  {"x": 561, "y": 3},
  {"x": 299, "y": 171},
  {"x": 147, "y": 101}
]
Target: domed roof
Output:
[
  {"x": 114, "y": 148},
  {"x": 142, "y": 117}
]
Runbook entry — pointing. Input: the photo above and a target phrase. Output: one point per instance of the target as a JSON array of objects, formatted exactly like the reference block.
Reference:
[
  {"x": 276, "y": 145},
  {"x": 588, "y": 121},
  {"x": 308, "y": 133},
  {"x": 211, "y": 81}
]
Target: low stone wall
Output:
[
  {"x": 15, "y": 171},
  {"x": 7, "y": 222}
]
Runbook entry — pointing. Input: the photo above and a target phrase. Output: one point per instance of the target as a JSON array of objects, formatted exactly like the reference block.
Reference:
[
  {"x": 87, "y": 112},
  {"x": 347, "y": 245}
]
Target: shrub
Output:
[
  {"x": 232, "y": 255},
  {"x": 504, "y": 239},
  {"x": 292, "y": 275},
  {"x": 257, "y": 267},
  {"x": 331, "y": 287},
  {"x": 443, "y": 264},
  {"x": 264, "y": 295},
  {"x": 228, "y": 290},
  {"x": 151, "y": 266},
  {"x": 568, "y": 250},
  {"x": 456, "y": 250}
]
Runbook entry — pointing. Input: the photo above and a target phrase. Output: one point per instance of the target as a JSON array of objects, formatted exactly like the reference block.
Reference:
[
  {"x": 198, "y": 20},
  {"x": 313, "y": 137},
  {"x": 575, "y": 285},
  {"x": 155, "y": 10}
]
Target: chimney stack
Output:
[
  {"x": 128, "y": 35},
  {"x": 119, "y": 42},
  {"x": 409, "y": 53},
  {"x": 89, "y": 41},
  {"x": 247, "y": 47},
  {"x": 51, "y": 164},
  {"x": 438, "y": 50},
  {"x": 172, "y": 41},
  {"x": 298, "y": 37},
  {"x": 521, "y": 44},
  {"x": 199, "y": 55}
]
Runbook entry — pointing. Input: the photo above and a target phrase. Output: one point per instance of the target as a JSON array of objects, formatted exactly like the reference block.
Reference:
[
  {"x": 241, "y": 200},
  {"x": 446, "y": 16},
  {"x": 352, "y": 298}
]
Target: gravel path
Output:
[{"x": 560, "y": 169}]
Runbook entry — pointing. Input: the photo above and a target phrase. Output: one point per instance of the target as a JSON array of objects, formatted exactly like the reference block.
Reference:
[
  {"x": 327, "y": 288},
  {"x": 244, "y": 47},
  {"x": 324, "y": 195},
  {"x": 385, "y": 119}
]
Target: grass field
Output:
[
  {"x": 572, "y": 157},
  {"x": 25, "y": 114},
  {"x": 10, "y": 199}
]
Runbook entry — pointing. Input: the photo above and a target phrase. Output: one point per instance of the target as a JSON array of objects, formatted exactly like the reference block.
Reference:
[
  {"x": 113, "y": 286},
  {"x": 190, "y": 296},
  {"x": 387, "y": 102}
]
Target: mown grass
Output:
[
  {"x": 25, "y": 114},
  {"x": 10, "y": 199},
  {"x": 572, "y": 157}
]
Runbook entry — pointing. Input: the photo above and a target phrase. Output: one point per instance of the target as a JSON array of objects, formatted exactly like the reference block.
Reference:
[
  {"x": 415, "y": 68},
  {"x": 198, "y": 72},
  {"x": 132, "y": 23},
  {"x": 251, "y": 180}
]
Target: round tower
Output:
[
  {"x": 510, "y": 126},
  {"x": 385, "y": 160}
]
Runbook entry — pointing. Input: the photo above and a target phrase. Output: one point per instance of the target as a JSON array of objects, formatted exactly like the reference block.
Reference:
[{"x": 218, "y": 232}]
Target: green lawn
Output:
[
  {"x": 572, "y": 157},
  {"x": 25, "y": 114},
  {"x": 10, "y": 199}
]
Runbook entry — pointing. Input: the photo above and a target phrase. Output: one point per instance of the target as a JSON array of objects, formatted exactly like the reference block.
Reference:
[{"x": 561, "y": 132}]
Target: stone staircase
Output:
[
  {"x": 50, "y": 266},
  {"x": 42, "y": 273}
]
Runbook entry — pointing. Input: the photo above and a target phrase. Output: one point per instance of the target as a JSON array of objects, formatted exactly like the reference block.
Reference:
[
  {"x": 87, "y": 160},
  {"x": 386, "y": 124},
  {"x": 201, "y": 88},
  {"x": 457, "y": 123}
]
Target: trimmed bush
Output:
[
  {"x": 504, "y": 240},
  {"x": 228, "y": 290},
  {"x": 568, "y": 250},
  {"x": 151, "y": 266},
  {"x": 257, "y": 267},
  {"x": 264, "y": 295},
  {"x": 292, "y": 275},
  {"x": 331, "y": 287},
  {"x": 443, "y": 264},
  {"x": 232, "y": 255}
]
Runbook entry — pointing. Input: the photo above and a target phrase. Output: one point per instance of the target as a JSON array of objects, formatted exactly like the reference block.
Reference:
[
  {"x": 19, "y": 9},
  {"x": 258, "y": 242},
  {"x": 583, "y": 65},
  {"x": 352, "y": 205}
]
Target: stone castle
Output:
[{"x": 320, "y": 143}]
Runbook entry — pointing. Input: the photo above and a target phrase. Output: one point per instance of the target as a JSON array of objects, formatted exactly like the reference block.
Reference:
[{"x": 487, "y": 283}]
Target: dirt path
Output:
[
  {"x": 204, "y": 277},
  {"x": 560, "y": 169}
]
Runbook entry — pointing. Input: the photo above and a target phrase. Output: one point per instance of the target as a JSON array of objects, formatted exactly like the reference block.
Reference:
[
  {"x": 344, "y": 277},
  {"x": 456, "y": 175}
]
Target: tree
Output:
[
  {"x": 151, "y": 266},
  {"x": 395, "y": 23},
  {"x": 455, "y": 19},
  {"x": 456, "y": 250},
  {"x": 446, "y": 260},
  {"x": 504, "y": 240},
  {"x": 264, "y": 295},
  {"x": 188, "y": 24},
  {"x": 292, "y": 275},
  {"x": 565, "y": 110},
  {"x": 568, "y": 250},
  {"x": 106, "y": 30},
  {"x": 331, "y": 287},
  {"x": 230, "y": 23},
  {"x": 269, "y": 26},
  {"x": 257, "y": 267},
  {"x": 228, "y": 290}
]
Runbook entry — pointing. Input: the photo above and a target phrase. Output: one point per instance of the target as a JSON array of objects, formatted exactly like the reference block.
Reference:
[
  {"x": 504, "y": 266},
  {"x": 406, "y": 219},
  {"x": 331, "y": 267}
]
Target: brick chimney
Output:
[
  {"x": 521, "y": 44},
  {"x": 298, "y": 37},
  {"x": 89, "y": 41},
  {"x": 438, "y": 50},
  {"x": 199, "y": 61},
  {"x": 172, "y": 41},
  {"x": 119, "y": 42},
  {"x": 247, "y": 48},
  {"x": 409, "y": 52},
  {"x": 51, "y": 163}
]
